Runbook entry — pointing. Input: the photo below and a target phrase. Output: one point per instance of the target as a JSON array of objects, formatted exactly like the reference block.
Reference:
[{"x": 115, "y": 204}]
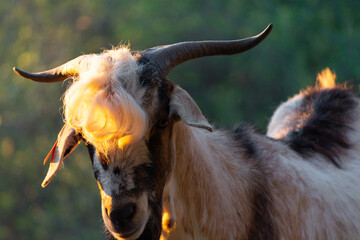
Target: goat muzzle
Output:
[{"x": 124, "y": 217}]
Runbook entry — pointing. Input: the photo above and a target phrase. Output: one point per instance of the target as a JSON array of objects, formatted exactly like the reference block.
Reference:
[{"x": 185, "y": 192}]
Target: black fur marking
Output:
[
  {"x": 324, "y": 130},
  {"x": 104, "y": 165},
  {"x": 243, "y": 135},
  {"x": 261, "y": 226},
  {"x": 102, "y": 159},
  {"x": 97, "y": 174},
  {"x": 143, "y": 176},
  {"x": 117, "y": 171},
  {"x": 164, "y": 100},
  {"x": 91, "y": 150},
  {"x": 149, "y": 71}
]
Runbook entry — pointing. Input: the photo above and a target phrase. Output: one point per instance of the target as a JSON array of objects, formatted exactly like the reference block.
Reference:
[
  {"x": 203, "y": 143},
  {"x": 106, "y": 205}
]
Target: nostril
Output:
[{"x": 123, "y": 214}]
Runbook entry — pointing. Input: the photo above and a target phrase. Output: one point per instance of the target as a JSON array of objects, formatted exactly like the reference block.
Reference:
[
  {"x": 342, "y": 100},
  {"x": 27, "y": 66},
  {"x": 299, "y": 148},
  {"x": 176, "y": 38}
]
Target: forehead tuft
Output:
[{"x": 104, "y": 101}]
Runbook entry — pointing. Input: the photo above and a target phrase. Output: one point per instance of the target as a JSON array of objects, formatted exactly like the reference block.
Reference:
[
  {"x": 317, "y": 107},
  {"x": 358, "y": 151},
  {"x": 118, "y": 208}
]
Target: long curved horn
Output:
[
  {"x": 169, "y": 56},
  {"x": 57, "y": 74}
]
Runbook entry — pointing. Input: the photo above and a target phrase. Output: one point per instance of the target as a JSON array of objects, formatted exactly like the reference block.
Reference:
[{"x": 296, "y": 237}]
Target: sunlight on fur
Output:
[
  {"x": 165, "y": 222},
  {"x": 98, "y": 106},
  {"x": 283, "y": 119},
  {"x": 326, "y": 79}
]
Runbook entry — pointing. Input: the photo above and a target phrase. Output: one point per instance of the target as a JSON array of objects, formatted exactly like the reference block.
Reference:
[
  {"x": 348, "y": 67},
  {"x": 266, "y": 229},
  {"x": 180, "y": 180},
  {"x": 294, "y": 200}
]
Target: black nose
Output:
[{"x": 124, "y": 214}]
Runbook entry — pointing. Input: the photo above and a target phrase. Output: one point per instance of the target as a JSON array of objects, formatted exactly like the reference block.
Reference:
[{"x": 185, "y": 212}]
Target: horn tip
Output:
[
  {"x": 261, "y": 36},
  {"x": 21, "y": 73},
  {"x": 269, "y": 28},
  {"x": 16, "y": 70}
]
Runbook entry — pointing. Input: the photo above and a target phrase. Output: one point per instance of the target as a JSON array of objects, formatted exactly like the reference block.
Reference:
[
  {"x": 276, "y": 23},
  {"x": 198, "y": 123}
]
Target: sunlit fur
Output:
[
  {"x": 326, "y": 79},
  {"x": 285, "y": 118},
  {"x": 103, "y": 103}
]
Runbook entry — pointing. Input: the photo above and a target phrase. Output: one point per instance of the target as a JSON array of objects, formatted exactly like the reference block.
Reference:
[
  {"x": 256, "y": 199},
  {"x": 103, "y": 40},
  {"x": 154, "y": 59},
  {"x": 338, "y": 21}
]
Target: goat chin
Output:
[
  {"x": 131, "y": 235},
  {"x": 133, "y": 228}
]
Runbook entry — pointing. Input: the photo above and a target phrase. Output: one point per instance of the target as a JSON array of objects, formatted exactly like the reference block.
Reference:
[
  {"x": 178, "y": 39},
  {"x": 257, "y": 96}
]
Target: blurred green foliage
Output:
[{"x": 36, "y": 35}]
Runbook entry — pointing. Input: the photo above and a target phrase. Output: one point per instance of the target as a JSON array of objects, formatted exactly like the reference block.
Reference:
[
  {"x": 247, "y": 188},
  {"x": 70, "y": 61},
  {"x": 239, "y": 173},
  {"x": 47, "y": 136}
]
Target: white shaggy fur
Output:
[
  {"x": 283, "y": 119},
  {"x": 104, "y": 102}
]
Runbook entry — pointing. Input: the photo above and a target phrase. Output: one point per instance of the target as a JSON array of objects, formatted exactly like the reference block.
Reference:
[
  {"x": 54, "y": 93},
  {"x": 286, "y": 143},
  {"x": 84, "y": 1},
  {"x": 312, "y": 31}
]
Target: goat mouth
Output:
[
  {"x": 128, "y": 232},
  {"x": 133, "y": 234}
]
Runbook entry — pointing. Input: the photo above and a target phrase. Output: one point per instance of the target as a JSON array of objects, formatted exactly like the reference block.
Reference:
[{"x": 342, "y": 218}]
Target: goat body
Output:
[{"x": 242, "y": 185}]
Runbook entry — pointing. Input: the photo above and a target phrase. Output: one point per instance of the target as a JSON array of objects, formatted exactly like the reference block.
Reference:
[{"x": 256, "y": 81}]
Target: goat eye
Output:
[{"x": 163, "y": 123}]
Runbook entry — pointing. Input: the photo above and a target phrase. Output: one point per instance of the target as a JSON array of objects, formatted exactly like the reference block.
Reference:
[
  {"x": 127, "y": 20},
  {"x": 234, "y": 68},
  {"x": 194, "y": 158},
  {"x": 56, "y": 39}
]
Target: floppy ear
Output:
[
  {"x": 67, "y": 141},
  {"x": 182, "y": 105}
]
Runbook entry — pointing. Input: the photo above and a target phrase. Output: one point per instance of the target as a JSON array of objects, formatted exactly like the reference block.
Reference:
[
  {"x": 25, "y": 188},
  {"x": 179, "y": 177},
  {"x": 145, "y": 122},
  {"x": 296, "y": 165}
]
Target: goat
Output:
[{"x": 164, "y": 172}]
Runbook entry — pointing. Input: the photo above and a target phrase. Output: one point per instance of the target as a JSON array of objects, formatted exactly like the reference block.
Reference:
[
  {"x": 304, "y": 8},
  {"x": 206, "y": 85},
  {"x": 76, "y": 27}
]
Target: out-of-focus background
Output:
[{"x": 36, "y": 35}]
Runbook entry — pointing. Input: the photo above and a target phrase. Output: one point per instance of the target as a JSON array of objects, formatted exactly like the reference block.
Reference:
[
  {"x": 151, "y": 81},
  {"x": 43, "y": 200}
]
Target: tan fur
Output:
[{"x": 204, "y": 196}]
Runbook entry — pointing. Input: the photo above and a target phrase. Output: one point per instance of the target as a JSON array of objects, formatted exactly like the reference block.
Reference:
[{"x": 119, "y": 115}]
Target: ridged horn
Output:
[
  {"x": 57, "y": 74},
  {"x": 169, "y": 56}
]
